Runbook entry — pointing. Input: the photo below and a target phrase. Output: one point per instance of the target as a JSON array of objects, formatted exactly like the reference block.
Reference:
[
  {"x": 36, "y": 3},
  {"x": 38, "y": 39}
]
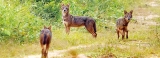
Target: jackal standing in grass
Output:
[
  {"x": 122, "y": 24},
  {"x": 45, "y": 40},
  {"x": 77, "y": 21}
]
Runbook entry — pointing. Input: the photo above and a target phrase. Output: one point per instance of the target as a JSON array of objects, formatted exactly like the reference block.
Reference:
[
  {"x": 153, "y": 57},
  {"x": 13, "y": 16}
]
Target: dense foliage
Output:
[{"x": 21, "y": 20}]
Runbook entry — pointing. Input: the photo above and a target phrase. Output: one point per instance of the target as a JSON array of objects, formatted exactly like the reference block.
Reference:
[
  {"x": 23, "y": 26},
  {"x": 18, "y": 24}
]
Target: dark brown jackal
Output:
[
  {"x": 122, "y": 24},
  {"x": 45, "y": 40},
  {"x": 77, "y": 21}
]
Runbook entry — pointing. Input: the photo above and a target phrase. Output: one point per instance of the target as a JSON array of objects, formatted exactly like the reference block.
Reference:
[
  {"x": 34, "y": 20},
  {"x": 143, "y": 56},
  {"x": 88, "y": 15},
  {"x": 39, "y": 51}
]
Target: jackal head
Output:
[
  {"x": 47, "y": 27},
  {"x": 65, "y": 9},
  {"x": 128, "y": 15}
]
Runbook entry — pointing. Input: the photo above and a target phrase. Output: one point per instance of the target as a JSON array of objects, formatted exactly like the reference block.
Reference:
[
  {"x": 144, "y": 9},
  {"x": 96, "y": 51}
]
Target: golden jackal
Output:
[
  {"x": 77, "y": 21},
  {"x": 122, "y": 24},
  {"x": 45, "y": 39}
]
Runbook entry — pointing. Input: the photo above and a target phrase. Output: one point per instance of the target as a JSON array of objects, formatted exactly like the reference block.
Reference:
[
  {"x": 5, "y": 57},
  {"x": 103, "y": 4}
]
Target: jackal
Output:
[
  {"x": 77, "y": 21},
  {"x": 45, "y": 39},
  {"x": 122, "y": 24}
]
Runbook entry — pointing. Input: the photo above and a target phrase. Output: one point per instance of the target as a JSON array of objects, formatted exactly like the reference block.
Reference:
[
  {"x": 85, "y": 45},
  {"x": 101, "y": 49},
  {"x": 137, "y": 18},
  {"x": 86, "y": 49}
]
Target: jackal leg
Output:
[
  {"x": 127, "y": 34},
  {"x": 117, "y": 33},
  {"x": 126, "y": 30},
  {"x": 43, "y": 52},
  {"x": 90, "y": 29},
  {"x": 122, "y": 33},
  {"x": 67, "y": 30},
  {"x": 46, "y": 52},
  {"x": 42, "y": 47},
  {"x": 48, "y": 45}
]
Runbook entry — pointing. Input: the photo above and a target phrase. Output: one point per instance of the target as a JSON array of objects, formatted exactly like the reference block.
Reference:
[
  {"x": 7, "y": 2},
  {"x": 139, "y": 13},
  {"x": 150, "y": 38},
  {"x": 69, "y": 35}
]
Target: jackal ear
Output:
[
  {"x": 125, "y": 12},
  {"x": 45, "y": 27},
  {"x": 49, "y": 27},
  {"x": 62, "y": 5},
  {"x": 67, "y": 5},
  {"x": 131, "y": 11}
]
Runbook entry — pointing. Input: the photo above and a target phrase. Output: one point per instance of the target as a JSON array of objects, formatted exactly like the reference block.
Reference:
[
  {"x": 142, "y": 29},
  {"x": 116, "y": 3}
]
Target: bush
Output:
[
  {"x": 22, "y": 20},
  {"x": 47, "y": 9}
]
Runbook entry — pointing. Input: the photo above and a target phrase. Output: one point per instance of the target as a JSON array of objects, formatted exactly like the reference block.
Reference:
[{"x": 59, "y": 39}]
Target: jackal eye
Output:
[
  {"x": 67, "y": 8},
  {"x": 131, "y": 16}
]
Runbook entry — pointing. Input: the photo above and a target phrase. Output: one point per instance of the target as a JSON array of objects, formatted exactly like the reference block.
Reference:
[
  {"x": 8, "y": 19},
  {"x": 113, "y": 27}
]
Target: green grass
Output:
[{"x": 139, "y": 44}]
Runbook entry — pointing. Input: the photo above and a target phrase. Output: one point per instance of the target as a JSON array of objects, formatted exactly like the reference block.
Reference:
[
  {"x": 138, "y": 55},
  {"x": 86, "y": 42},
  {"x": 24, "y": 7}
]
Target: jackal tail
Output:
[
  {"x": 45, "y": 39},
  {"x": 94, "y": 26}
]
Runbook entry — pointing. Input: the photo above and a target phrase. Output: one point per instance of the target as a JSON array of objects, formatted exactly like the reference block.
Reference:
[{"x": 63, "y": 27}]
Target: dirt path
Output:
[
  {"x": 142, "y": 16},
  {"x": 60, "y": 53}
]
